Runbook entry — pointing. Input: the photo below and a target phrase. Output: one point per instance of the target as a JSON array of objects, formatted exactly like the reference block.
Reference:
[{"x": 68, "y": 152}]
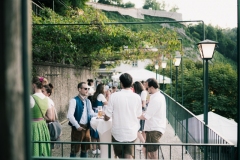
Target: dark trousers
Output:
[{"x": 80, "y": 136}]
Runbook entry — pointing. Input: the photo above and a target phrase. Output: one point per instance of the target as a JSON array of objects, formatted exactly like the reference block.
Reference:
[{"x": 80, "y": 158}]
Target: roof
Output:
[
  {"x": 224, "y": 127},
  {"x": 143, "y": 74}
]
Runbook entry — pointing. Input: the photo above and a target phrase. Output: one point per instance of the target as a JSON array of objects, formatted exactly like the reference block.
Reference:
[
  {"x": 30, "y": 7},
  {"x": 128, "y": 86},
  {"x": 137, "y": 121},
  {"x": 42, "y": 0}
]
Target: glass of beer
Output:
[{"x": 100, "y": 112}]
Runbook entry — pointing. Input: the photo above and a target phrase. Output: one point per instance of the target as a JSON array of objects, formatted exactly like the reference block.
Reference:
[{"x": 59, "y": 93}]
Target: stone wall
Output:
[
  {"x": 65, "y": 79},
  {"x": 137, "y": 13}
]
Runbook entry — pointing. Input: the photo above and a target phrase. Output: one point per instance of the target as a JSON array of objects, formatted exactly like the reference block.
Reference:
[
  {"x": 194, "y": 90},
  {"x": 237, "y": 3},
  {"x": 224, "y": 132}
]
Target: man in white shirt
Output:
[
  {"x": 155, "y": 119},
  {"x": 124, "y": 107},
  {"x": 79, "y": 115}
]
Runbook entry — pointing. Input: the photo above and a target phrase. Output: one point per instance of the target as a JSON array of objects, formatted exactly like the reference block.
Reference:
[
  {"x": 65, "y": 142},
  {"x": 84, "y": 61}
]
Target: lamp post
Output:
[
  {"x": 164, "y": 64},
  {"x": 156, "y": 68},
  {"x": 176, "y": 64},
  {"x": 180, "y": 39},
  {"x": 206, "y": 49}
]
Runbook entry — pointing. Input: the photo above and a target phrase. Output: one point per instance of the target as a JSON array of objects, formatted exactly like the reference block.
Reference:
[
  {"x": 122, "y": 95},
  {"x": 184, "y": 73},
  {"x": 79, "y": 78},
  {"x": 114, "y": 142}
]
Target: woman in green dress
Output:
[{"x": 40, "y": 108}]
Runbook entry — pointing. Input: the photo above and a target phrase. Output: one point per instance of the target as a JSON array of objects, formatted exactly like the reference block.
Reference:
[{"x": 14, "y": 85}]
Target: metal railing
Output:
[
  {"x": 36, "y": 8},
  {"x": 188, "y": 128},
  {"x": 216, "y": 151},
  {"x": 191, "y": 130}
]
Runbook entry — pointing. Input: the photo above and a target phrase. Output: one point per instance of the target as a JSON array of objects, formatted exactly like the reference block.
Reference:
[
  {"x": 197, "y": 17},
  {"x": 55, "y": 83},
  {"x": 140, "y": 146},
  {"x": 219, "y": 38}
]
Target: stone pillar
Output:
[{"x": 14, "y": 109}]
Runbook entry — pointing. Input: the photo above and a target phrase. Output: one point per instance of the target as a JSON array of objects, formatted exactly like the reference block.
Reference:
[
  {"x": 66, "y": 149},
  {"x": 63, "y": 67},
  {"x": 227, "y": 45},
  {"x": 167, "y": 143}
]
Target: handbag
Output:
[{"x": 55, "y": 128}]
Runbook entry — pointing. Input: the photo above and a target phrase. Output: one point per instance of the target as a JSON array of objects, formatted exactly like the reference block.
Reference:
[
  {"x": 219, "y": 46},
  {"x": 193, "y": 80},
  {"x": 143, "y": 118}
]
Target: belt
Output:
[
  {"x": 37, "y": 119},
  {"x": 83, "y": 126}
]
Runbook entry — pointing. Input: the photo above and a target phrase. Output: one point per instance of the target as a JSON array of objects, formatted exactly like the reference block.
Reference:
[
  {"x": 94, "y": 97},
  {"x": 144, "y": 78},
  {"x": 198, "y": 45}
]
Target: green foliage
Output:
[
  {"x": 129, "y": 5},
  {"x": 153, "y": 4},
  {"x": 226, "y": 38},
  {"x": 174, "y": 9},
  {"x": 223, "y": 90},
  {"x": 62, "y": 7},
  {"x": 222, "y": 87},
  {"x": 90, "y": 45}
]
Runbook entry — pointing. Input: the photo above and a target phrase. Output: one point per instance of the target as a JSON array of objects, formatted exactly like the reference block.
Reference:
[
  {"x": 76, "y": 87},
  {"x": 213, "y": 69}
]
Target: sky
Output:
[{"x": 222, "y": 13}]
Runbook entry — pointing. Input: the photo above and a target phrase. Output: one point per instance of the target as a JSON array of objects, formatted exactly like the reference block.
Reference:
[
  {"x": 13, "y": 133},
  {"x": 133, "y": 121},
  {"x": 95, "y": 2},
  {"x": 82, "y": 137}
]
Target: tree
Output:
[
  {"x": 104, "y": 1},
  {"x": 153, "y": 4},
  {"x": 222, "y": 90},
  {"x": 129, "y": 5},
  {"x": 91, "y": 45},
  {"x": 62, "y": 6},
  {"x": 174, "y": 9}
]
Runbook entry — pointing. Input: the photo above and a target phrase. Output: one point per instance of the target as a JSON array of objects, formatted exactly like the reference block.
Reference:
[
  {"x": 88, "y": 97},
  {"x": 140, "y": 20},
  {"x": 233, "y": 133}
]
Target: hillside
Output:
[{"x": 188, "y": 40}]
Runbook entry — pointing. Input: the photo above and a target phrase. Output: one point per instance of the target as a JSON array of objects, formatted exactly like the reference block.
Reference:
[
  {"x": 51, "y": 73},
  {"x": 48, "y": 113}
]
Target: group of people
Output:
[
  {"x": 43, "y": 112},
  {"x": 134, "y": 115}
]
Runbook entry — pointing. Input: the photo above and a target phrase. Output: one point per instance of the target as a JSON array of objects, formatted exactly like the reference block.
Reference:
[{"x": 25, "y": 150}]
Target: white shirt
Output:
[
  {"x": 91, "y": 90},
  {"x": 40, "y": 95},
  {"x": 144, "y": 96},
  {"x": 101, "y": 98},
  {"x": 124, "y": 107},
  {"x": 51, "y": 102},
  {"x": 156, "y": 113},
  {"x": 71, "y": 110}
]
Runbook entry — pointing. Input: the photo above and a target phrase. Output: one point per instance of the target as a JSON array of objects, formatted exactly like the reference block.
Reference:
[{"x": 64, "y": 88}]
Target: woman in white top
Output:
[
  {"x": 91, "y": 87},
  {"x": 91, "y": 90},
  {"x": 39, "y": 131},
  {"x": 97, "y": 100},
  {"x": 139, "y": 89}
]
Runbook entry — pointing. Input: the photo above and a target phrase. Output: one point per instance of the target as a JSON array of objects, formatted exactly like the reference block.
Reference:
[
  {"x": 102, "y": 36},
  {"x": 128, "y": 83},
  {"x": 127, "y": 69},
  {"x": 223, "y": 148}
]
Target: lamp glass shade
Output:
[
  {"x": 206, "y": 48},
  {"x": 156, "y": 66},
  {"x": 200, "y": 50},
  {"x": 177, "y": 61},
  {"x": 164, "y": 64}
]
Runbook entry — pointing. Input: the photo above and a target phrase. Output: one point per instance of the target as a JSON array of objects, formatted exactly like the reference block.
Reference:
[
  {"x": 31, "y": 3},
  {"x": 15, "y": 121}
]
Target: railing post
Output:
[
  {"x": 109, "y": 150},
  {"x": 186, "y": 132}
]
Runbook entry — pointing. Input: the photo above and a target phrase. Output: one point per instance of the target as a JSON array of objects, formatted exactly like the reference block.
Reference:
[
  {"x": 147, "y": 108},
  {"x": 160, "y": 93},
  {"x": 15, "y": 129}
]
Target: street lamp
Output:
[
  {"x": 206, "y": 49},
  {"x": 176, "y": 64},
  {"x": 164, "y": 64},
  {"x": 156, "y": 68}
]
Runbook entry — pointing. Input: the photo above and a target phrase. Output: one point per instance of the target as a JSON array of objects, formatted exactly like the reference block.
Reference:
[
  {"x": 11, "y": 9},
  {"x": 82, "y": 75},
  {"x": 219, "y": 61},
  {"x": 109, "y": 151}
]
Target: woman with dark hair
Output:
[
  {"x": 40, "y": 105},
  {"x": 139, "y": 89},
  {"x": 47, "y": 91},
  {"x": 91, "y": 89},
  {"x": 98, "y": 99}
]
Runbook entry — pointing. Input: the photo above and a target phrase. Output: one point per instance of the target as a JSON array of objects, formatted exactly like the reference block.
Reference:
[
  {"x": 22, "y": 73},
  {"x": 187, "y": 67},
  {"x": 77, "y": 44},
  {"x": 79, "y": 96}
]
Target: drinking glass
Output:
[{"x": 100, "y": 111}]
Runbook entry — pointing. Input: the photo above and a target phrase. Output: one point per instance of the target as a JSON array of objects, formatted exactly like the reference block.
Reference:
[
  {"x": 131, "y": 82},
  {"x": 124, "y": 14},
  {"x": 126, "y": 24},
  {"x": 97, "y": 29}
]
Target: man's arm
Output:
[
  {"x": 70, "y": 114},
  {"x": 108, "y": 110},
  {"x": 92, "y": 113},
  {"x": 142, "y": 117}
]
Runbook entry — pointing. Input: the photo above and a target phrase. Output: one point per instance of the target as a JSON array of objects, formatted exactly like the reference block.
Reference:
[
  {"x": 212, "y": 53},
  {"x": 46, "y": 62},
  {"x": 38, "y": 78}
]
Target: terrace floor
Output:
[{"x": 168, "y": 137}]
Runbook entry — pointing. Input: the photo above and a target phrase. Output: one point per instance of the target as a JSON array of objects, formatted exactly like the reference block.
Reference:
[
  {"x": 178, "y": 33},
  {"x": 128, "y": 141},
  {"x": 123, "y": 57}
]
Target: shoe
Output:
[
  {"x": 94, "y": 151},
  {"x": 98, "y": 151}
]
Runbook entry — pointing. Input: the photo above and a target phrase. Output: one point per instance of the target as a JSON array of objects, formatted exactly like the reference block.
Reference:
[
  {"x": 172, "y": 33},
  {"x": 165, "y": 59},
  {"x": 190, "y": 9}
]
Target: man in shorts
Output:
[
  {"x": 124, "y": 107},
  {"x": 155, "y": 119}
]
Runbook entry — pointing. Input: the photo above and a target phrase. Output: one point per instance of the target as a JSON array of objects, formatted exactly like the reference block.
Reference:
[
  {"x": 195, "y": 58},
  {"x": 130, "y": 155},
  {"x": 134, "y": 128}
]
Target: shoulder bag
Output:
[{"x": 55, "y": 128}]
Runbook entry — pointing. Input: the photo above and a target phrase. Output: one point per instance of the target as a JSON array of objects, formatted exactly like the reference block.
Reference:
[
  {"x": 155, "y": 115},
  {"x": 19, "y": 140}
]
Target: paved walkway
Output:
[{"x": 168, "y": 137}]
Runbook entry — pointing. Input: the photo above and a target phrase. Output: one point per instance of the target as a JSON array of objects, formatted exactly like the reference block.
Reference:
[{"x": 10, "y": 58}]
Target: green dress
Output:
[{"x": 40, "y": 130}]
